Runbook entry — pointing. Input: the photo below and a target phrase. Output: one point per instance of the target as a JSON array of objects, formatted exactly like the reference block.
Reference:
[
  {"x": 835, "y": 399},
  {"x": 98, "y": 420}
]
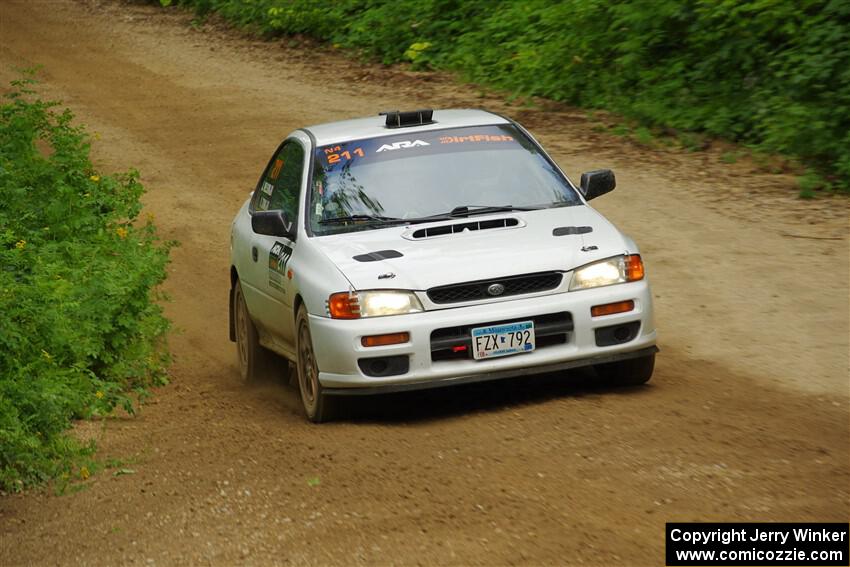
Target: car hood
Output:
[{"x": 530, "y": 246}]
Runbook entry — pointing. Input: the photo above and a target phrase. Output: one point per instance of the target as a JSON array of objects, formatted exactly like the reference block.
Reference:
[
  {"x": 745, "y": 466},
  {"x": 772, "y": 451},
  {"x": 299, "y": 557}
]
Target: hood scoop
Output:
[
  {"x": 565, "y": 230},
  {"x": 455, "y": 228},
  {"x": 377, "y": 256}
]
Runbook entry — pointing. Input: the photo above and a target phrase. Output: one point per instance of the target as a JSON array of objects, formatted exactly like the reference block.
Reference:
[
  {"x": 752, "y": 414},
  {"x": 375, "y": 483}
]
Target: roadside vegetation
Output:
[
  {"x": 80, "y": 332},
  {"x": 773, "y": 75}
]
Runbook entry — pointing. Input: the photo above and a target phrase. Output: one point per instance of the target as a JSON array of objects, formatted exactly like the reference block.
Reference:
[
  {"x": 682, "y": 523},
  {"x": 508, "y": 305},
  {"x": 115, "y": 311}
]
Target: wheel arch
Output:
[
  {"x": 296, "y": 305},
  {"x": 231, "y": 323}
]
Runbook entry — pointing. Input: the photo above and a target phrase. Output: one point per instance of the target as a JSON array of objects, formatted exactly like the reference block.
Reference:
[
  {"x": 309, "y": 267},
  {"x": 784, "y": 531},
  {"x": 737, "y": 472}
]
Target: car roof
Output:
[{"x": 375, "y": 126}]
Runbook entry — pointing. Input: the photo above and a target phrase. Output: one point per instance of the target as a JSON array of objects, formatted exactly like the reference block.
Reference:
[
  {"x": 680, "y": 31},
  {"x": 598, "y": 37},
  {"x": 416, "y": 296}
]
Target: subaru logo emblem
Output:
[{"x": 496, "y": 289}]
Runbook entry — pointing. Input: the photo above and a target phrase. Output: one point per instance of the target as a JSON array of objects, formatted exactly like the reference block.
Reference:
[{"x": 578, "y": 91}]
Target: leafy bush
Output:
[
  {"x": 80, "y": 331},
  {"x": 773, "y": 74}
]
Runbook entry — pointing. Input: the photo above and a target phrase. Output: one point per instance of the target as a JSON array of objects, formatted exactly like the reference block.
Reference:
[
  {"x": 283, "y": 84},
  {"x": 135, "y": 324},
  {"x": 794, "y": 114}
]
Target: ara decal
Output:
[{"x": 402, "y": 145}]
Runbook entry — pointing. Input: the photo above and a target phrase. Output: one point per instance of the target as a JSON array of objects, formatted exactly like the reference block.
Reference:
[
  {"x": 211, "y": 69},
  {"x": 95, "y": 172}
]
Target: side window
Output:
[{"x": 281, "y": 183}]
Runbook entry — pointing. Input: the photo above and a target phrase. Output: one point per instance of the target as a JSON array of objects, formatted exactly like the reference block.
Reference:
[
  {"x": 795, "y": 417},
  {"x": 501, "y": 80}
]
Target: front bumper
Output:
[{"x": 338, "y": 348}]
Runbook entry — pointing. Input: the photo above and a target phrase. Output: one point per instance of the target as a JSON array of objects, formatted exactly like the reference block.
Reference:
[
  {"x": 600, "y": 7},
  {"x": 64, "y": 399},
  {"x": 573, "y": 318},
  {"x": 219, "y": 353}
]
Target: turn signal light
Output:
[
  {"x": 611, "y": 308},
  {"x": 634, "y": 268},
  {"x": 384, "y": 340},
  {"x": 344, "y": 305}
]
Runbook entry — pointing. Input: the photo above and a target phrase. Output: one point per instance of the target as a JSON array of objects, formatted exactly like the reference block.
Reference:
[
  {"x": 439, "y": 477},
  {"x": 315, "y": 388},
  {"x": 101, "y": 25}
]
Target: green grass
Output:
[{"x": 81, "y": 331}]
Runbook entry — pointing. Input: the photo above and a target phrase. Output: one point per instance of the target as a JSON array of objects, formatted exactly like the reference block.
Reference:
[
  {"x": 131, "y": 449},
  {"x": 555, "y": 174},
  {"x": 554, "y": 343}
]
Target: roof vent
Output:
[
  {"x": 400, "y": 119},
  {"x": 447, "y": 229}
]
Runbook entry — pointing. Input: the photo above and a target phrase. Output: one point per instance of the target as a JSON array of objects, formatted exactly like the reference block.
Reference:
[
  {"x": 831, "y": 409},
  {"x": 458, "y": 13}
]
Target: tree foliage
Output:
[{"x": 773, "y": 74}]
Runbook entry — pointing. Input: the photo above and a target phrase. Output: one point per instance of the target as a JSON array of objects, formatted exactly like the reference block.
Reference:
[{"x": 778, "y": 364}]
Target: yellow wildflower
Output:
[
  {"x": 98, "y": 395},
  {"x": 121, "y": 232},
  {"x": 20, "y": 244},
  {"x": 95, "y": 178},
  {"x": 416, "y": 49},
  {"x": 84, "y": 473}
]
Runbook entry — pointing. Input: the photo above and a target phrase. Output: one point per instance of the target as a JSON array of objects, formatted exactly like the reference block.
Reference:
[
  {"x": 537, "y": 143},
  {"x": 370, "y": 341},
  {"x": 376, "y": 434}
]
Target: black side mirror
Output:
[
  {"x": 597, "y": 182},
  {"x": 273, "y": 223}
]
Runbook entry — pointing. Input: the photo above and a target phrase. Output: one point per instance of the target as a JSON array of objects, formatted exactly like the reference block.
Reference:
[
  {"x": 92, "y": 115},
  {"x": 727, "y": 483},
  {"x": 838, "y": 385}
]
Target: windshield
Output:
[{"x": 368, "y": 184}]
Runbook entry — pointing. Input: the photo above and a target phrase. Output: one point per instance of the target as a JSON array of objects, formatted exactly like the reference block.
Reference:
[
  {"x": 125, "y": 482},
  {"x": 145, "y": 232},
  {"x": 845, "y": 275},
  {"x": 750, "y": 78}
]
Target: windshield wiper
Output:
[
  {"x": 462, "y": 211},
  {"x": 355, "y": 218},
  {"x": 468, "y": 210}
]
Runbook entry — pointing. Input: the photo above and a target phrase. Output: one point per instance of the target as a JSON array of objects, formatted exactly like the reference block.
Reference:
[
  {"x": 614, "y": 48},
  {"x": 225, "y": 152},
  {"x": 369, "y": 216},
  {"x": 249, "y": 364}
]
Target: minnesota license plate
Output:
[{"x": 502, "y": 340}]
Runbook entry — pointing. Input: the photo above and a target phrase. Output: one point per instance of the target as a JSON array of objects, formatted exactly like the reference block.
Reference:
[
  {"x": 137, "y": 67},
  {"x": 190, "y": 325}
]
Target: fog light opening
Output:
[{"x": 622, "y": 333}]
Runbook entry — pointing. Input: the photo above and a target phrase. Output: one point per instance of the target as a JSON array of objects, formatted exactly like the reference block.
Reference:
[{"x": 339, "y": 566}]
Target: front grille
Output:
[
  {"x": 549, "y": 329},
  {"x": 514, "y": 285}
]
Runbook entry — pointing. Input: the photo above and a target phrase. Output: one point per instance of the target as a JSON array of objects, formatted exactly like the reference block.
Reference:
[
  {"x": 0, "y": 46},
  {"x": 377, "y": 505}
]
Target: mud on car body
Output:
[{"x": 421, "y": 249}]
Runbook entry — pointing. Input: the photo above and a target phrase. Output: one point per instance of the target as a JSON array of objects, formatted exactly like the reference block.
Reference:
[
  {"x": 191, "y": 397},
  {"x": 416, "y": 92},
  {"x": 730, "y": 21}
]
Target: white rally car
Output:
[{"x": 420, "y": 249}]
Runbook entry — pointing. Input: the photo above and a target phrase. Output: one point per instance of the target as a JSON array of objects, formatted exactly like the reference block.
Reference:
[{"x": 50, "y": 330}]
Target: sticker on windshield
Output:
[
  {"x": 401, "y": 145},
  {"x": 350, "y": 155},
  {"x": 267, "y": 188},
  {"x": 475, "y": 138},
  {"x": 279, "y": 256},
  {"x": 337, "y": 154},
  {"x": 278, "y": 163}
]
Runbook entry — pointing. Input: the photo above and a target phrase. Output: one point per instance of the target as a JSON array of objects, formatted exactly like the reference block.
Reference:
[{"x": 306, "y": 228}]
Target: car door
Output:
[{"x": 268, "y": 275}]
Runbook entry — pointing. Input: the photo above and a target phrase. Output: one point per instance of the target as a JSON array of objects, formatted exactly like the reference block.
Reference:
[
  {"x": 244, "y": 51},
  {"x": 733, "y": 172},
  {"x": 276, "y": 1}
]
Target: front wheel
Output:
[
  {"x": 629, "y": 372},
  {"x": 317, "y": 405}
]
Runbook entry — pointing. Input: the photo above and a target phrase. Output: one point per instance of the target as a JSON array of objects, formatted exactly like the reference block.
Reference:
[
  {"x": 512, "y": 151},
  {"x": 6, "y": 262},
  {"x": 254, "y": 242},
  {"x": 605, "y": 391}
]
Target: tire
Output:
[
  {"x": 255, "y": 362},
  {"x": 318, "y": 406},
  {"x": 630, "y": 372}
]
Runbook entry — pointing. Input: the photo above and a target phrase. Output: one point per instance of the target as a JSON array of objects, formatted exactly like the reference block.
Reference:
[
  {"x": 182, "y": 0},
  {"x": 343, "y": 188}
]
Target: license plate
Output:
[{"x": 502, "y": 340}]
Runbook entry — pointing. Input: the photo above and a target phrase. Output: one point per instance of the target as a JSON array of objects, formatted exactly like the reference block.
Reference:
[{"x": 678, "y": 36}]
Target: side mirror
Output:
[
  {"x": 273, "y": 223},
  {"x": 597, "y": 182}
]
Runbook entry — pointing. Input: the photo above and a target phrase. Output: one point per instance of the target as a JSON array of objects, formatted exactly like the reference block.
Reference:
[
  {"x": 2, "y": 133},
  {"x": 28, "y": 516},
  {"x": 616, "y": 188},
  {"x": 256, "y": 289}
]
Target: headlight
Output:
[
  {"x": 616, "y": 270},
  {"x": 377, "y": 303}
]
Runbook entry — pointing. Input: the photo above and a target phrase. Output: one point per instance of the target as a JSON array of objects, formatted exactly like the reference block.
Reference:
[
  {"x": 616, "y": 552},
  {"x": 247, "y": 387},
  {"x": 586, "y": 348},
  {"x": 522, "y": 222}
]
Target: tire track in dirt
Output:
[{"x": 746, "y": 419}]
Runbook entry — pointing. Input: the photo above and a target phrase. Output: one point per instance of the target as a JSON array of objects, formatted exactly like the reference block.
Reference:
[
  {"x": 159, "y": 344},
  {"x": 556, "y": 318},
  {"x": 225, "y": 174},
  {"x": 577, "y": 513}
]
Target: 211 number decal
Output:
[{"x": 334, "y": 155}]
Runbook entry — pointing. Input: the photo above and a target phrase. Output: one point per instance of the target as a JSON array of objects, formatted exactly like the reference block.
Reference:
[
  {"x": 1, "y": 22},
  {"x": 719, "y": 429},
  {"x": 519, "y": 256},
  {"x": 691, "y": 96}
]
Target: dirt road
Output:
[{"x": 746, "y": 418}]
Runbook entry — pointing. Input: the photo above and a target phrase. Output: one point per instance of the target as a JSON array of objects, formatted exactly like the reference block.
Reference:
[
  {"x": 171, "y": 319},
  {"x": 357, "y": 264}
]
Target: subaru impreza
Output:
[{"x": 428, "y": 248}]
